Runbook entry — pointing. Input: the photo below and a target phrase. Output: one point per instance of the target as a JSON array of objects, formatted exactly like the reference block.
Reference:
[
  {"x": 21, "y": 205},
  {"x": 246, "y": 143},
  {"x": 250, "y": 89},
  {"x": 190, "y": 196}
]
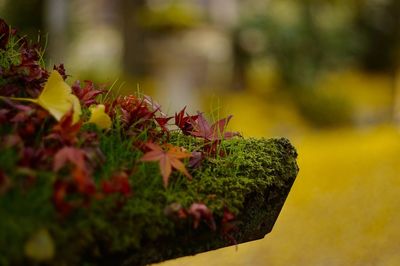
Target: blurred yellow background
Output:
[{"x": 325, "y": 74}]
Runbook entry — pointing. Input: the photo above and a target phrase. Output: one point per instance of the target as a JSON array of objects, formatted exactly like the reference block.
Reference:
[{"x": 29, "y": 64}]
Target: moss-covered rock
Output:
[
  {"x": 73, "y": 194},
  {"x": 252, "y": 181}
]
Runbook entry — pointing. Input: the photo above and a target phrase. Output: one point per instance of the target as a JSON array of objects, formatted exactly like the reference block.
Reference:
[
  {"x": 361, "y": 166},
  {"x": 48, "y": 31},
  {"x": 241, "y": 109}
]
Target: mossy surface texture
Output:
[{"x": 251, "y": 180}]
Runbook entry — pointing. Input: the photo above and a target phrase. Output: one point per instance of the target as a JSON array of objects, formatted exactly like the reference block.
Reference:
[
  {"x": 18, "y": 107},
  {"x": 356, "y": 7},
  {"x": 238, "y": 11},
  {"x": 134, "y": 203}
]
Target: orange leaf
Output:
[
  {"x": 168, "y": 159},
  {"x": 165, "y": 168}
]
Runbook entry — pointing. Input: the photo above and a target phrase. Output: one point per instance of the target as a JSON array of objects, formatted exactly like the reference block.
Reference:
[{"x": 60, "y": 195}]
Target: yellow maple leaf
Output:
[{"x": 99, "y": 117}]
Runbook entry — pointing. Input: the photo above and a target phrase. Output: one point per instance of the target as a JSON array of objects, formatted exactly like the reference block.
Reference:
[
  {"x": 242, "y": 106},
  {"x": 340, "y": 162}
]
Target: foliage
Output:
[
  {"x": 379, "y": 25},
  {"x": 19, "y": 14},
  {"x": 174, "y": 15},
  {"x": 73, "y": 166},
  {"x": 303, "y": 47},
  {"x": 325, "y": 109}
]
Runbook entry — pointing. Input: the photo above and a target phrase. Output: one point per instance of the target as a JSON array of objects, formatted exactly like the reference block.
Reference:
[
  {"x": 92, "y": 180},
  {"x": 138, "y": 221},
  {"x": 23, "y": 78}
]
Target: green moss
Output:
[
  {"x": 10, "y": 56},
  {"x": 250, "y": 167},
  {"x": 244, "y": 181},
  {"x": 252, "y": 181}
]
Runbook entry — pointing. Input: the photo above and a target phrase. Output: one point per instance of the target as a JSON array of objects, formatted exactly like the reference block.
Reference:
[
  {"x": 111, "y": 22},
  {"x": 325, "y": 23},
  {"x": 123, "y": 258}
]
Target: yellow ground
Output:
[{"x": 344, "y": 208}]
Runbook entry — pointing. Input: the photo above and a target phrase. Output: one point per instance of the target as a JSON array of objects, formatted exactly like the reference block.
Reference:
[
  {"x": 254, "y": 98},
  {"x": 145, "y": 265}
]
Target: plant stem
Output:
[{"x": 20, "y": 99}]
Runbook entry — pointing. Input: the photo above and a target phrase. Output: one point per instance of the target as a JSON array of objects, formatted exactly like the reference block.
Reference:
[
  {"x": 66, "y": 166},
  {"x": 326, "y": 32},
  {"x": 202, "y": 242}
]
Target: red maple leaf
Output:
[
  {"x": 196, "y": 159},
  {"x": 83, "y": 181},
  {"x": 66, "y": 131},
  {"x": 155, "y": 106},
  {"x": 60, "y": 191},
  {"x": 168, "y": 159},
  {"x": 87, "y": 95},
  {"x": 75, "y": 157},
  {"x": 71, "y": 155},
  {"x": 185, "y": 123},
  {"x": 216, "y": 131},
  {"x": 163, "y": 122},
  {"x": 200, "y": 211},
  {"x": 61, "y": 69},
  {"x": 135, "y": 112},
  {"x": 119, "y": 183}
]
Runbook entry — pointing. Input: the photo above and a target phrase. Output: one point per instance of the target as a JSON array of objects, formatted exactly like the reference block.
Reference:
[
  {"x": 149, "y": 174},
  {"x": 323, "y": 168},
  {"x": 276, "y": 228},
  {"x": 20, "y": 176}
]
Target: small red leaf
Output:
[
  {"x": 195, "y": 160},
  {"x": 185, "y": 123},
  {"x": 72, "y": 155},
  {"x": 215, "y": 132},
  {"x": 61, "y": 69},
  {"x": 86, "y": 95},
  {"x": 118, "y": 183},
  {"x": 66, "y": 131},
  {"x": 200, "y": 211},
  {"x": 83, "y": 181},
  {"x": 60, "y": 191},
  {"x": 162, "y": 122}
]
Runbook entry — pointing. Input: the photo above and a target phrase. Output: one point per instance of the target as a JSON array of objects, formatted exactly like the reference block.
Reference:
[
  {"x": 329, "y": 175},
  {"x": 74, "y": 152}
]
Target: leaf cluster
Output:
[{"x": 117, "y": 184}]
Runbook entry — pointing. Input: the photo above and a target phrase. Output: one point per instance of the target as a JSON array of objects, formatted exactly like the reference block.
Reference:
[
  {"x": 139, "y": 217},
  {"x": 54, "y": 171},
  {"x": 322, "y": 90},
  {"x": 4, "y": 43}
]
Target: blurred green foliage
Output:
[
  {"x": 325, "y": 109},
  {"x": 26, "y": 16},
  {"x": 169, "y": 17},
  {"x": 303, "y": 50},
  {"x": 379, "y": 24},
  {"x": 305, "y": 40}
]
